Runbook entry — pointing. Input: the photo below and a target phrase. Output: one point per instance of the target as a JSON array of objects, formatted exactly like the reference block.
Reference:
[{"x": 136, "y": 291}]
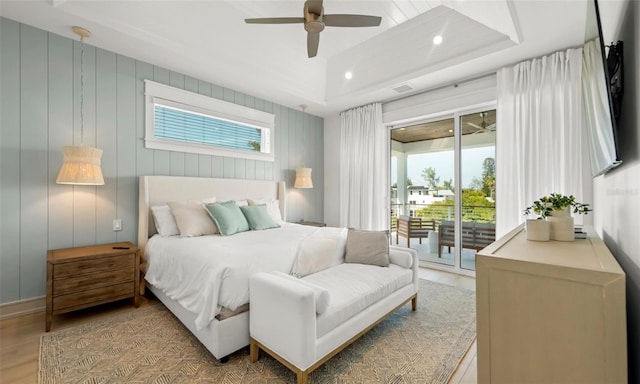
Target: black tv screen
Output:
[{"x": 602, "y": 79}]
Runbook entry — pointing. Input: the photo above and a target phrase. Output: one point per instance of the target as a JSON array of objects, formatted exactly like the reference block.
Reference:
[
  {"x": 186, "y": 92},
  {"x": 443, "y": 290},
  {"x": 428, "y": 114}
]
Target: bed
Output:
[{"x": 218, "y": 314}]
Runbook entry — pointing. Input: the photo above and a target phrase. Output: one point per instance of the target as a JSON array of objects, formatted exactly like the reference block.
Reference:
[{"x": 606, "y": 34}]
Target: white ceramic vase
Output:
[
  {"x": 538, "y": 230},
  {"x": 561, "y": 224}
]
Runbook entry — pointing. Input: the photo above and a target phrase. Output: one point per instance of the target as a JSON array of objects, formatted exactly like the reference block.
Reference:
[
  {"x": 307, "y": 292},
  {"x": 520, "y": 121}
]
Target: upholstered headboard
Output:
[{"x": 159, "y": 190}]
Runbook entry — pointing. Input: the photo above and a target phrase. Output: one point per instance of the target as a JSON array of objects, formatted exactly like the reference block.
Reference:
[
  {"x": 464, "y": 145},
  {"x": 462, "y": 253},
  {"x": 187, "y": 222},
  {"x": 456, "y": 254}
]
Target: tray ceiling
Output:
[{"x": 209, "y": 40}]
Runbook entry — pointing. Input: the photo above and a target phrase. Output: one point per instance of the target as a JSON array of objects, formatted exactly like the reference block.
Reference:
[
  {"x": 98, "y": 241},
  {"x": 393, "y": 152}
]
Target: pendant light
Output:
[
  {"x": 81, "y": 165},
  {"x": 303, "y": 178},
  {"x": 303, "y": 175}
]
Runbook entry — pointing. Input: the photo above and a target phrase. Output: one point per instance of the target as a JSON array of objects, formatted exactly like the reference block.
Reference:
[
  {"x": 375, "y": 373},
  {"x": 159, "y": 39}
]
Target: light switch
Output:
[{"x": 117, "y": 224}]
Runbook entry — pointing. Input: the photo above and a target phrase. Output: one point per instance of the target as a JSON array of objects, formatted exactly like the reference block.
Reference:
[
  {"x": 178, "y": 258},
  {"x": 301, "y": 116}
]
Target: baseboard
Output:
[{"x": 22, "y": 307}]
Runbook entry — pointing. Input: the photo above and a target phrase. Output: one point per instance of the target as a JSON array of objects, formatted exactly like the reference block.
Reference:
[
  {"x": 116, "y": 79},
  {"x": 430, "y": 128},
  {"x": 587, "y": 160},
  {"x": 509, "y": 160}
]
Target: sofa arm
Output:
[
  {"x": 404, "y": 257},
  {"x": 283, "y": 317}
]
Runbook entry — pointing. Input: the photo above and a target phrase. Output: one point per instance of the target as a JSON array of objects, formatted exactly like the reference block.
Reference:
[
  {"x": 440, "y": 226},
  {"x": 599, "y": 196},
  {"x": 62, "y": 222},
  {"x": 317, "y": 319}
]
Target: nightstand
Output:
[
  {"x": 312, "y": 223},
  {"x": 82, "y": 277}
]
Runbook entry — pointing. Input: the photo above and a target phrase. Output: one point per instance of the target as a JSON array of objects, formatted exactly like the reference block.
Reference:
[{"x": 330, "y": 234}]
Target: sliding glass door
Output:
[
  {"x": 443, "y": 187},
  {"x": 478, "y": 177}
]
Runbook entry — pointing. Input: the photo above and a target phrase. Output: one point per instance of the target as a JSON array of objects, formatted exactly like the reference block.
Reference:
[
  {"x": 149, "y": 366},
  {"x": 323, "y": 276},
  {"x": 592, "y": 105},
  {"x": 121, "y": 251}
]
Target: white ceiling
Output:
[{"x": 209, "y": 40}]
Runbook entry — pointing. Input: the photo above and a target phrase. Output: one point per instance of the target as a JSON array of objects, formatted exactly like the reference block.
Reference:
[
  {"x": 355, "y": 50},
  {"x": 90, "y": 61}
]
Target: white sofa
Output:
[{"x": 304, "y": 322}]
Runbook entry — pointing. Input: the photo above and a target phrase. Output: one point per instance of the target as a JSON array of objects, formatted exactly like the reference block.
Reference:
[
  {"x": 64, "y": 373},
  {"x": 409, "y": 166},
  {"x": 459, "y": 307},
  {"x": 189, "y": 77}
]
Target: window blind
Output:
[{"x": 187, "y": 126}]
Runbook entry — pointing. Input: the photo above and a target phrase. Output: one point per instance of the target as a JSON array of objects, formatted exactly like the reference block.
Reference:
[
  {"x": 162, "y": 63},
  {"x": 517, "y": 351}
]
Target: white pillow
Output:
[
  {"x": 165, "y": 223},
  {"x": 314, "y": 255},
  {"x": 192, "y": 218},
  {"x": 273, "y": 208},
  {"x": 242, "y": 203},
  {"x": 322, "y": 297}
]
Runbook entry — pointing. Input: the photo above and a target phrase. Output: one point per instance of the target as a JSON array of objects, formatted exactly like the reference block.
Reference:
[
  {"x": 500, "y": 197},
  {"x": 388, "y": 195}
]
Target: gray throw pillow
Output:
[{"x": 367, "y": 247}]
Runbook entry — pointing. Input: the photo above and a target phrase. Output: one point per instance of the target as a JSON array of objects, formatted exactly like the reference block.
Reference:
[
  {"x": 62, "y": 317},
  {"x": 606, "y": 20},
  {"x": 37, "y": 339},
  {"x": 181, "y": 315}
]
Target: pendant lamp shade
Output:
[
  {"x": 303, "y": 178},
  {"x": 81, "y": 166}
]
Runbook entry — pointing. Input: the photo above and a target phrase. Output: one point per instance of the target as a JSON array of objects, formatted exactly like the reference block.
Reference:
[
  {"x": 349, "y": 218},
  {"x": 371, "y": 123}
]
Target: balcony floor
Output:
[{"x": 428, "y": 251}]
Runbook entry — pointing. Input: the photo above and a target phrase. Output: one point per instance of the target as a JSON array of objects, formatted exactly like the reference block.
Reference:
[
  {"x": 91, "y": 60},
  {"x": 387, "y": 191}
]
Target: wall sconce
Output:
[
  {"x": 81, "y": 165},
  {"x": 303, "y": 178}
]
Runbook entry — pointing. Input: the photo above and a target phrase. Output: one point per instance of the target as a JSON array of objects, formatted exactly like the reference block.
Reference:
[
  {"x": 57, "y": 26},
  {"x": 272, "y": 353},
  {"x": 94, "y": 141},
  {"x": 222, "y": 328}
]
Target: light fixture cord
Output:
[{"x": 81, "y": 91}]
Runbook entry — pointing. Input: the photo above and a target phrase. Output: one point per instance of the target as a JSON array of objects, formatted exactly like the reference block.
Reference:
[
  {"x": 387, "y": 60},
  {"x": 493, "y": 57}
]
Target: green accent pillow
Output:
[
  {"x": 258, "y": 217},
  {"x": 228, "y": 217}
]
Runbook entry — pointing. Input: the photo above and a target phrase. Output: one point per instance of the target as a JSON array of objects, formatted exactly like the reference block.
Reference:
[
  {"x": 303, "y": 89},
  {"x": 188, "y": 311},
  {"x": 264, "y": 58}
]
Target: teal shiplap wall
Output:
[{"x": 40, "y": 113}]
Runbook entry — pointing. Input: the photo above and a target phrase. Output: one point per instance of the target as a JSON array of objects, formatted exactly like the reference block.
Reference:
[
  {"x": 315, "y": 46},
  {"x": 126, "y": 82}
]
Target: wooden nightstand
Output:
[
  {"x": 312, "y": 223},
  {"x": 86, "y": 276}
]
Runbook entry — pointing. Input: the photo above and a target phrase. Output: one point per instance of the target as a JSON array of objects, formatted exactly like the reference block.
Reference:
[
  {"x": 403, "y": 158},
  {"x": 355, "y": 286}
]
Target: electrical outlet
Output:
[{"x": 117, "y": 224}]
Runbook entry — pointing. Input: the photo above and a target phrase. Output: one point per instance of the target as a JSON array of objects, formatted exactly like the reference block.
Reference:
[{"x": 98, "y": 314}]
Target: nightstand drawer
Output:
[
  {"x": 82, "y": 277},
  {"x": 90, "y": 281},
  {"x": 92, "y": 297},
  {"x": 94, "y": 265}
]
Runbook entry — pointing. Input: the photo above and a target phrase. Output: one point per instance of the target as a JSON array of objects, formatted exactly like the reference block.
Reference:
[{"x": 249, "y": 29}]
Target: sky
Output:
[{"x": 442, "y": 162}]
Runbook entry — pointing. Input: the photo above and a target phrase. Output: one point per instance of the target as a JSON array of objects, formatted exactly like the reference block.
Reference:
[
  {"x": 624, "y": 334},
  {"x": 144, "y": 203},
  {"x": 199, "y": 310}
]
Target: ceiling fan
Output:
[
  {"x": 315, "y": 20},
  {"x": 483, "y": 127}
]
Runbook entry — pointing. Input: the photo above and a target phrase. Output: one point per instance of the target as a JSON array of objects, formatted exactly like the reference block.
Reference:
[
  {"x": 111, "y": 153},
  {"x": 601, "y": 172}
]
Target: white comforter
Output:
[{"x": 209, "y": 272}]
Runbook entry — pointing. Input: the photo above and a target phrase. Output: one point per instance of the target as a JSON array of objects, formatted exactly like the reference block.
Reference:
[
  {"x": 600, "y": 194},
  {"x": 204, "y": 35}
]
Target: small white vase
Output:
[
  {"x": 538, "y": 230},
  {"x": 561, "y": 228},
  {"x": 565, "y": 212}
]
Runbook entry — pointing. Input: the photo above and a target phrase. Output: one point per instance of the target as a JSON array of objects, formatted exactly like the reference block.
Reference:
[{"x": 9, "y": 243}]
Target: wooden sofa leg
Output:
[
  {"x": 303, "y": 377},
  {"x": 414, "y": 303},
  {"x": 254, "y": 351}
]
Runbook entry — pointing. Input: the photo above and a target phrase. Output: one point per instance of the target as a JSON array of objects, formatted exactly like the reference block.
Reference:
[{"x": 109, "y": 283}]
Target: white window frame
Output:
[{"x": 161, "y": 94}]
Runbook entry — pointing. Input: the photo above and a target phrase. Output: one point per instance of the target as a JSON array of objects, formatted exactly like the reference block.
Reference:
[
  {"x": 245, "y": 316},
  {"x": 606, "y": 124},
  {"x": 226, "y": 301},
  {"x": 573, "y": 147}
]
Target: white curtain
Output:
[
  {"x": 364, "y": 159},
  {"x": 539, "y": 147}
]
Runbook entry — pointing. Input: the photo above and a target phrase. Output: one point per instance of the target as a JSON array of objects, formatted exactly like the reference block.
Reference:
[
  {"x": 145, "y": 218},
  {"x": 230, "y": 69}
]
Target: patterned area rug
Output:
[{"x": 149, "y": 345}]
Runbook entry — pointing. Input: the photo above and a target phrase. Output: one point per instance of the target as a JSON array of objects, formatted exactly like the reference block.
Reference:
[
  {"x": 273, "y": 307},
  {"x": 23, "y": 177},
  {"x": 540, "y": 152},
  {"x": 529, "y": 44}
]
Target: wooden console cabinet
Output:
[
  {"x": 550, "y": 312},
  {"x": 86, "y": 276}
]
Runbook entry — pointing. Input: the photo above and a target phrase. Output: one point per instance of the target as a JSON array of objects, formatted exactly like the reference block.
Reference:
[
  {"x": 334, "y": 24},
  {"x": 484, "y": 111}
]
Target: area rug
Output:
[{"x": 149, "y": 345}]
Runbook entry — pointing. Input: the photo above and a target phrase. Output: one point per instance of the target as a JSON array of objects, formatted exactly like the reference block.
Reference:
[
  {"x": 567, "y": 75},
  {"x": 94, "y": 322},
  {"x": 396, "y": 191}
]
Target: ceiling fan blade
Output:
[
  {"x": 475, "y": 125},
  {"x": 275, "y": 20},
  {"x": 313, "y": 40},
  {"x": 351, "y": 20},
  {"x": 314, "y": 6}
]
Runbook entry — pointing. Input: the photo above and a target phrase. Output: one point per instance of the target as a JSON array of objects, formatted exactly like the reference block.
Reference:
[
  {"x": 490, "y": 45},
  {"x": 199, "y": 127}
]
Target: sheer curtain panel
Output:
[
  {"x": 540, "y": 145},
  {"x": 364, "y": 156}
]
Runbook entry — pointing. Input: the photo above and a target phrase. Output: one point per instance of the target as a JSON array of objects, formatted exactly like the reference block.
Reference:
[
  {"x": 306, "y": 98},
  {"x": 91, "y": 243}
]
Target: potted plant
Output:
[
  {"x": 537, "y": 229},
  {"x": 556, "y": 209}
]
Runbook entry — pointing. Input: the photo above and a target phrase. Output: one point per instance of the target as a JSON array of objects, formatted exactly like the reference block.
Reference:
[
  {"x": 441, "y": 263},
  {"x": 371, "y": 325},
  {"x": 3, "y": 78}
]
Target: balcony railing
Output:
[{"x": 439, "y": 213}]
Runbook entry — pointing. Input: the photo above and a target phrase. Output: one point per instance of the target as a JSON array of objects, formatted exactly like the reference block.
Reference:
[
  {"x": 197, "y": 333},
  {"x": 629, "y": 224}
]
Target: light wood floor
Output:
[{"x": 20, "y": 336}]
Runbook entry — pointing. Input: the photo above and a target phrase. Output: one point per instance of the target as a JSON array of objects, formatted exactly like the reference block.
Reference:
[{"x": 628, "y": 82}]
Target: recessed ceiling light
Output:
[
  {"x": 348, "y": 75},
  {"x": 437, "y": 40}
]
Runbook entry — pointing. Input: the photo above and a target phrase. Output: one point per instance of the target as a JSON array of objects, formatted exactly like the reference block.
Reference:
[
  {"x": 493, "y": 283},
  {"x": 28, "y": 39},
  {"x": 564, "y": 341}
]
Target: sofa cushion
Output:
[
  {"x": 367, "y": 247},
  {"x": 353, "y": 287}
]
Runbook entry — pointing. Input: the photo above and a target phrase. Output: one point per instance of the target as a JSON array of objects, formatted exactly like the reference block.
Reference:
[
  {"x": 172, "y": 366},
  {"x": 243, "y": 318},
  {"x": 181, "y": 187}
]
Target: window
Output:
[{"x": 178, "y": 120}]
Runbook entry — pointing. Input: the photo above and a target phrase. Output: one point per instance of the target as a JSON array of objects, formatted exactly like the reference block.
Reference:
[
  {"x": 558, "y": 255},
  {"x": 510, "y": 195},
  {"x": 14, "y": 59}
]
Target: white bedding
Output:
[{"x": 207, "y": 273}]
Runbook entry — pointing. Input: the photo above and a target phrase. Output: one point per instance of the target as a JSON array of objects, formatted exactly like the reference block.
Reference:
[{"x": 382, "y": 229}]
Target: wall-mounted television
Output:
[{"x": 602, "y": 89}]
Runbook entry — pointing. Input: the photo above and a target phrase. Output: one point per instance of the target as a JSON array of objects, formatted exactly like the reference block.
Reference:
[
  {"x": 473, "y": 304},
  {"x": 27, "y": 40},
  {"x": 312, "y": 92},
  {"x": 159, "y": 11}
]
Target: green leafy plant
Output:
[{"x": 544, "y": 206}]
